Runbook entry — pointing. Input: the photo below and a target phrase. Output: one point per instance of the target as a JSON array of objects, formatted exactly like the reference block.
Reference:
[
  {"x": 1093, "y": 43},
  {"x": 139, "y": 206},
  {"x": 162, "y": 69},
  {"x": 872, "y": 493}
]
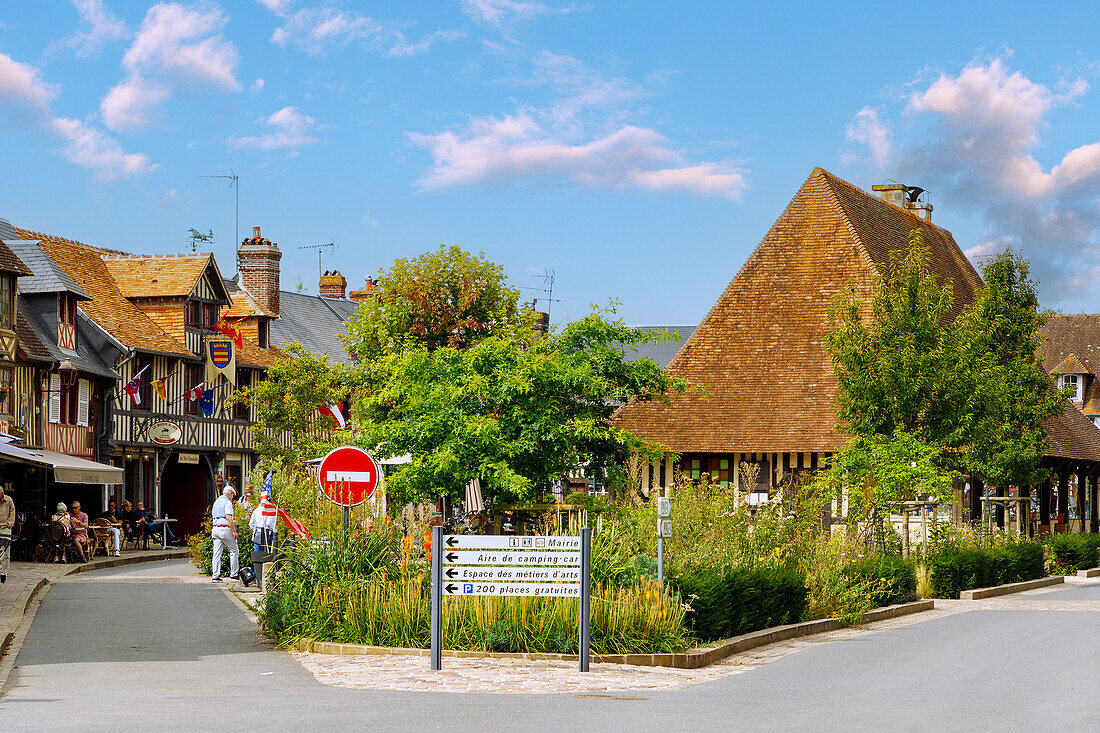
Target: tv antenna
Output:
[
  {"x": 320, "y": 249},
  {"x": 235, "y": 184},
  {"x": 548, "y": 276},
  {"x": 194, "y": 236}
]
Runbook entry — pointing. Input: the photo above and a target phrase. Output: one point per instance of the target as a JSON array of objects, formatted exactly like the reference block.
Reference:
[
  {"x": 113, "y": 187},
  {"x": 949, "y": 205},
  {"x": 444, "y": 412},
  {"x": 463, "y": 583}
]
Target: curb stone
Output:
[
  {"x": 977, "y": 594},
  {"x": 693, "y": 659}
]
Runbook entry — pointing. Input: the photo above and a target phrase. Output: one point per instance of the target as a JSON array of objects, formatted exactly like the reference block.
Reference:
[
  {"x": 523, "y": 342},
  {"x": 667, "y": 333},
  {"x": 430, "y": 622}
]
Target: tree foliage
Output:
[
  {"x": 511, "y": 410},
  {"x": 445, "y": 298},
  {"x": 287, "y": 402},
  {"x": 963, "y": 392}
]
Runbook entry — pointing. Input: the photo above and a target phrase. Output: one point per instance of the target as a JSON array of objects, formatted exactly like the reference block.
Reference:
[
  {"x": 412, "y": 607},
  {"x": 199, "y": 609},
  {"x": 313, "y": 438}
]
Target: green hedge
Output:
[
  {"x": 897, "y": 577},
  {"x": 735, "y": 601},
  {"x": 955, "y": 569},
  {"x": 1073, "y": 552}
]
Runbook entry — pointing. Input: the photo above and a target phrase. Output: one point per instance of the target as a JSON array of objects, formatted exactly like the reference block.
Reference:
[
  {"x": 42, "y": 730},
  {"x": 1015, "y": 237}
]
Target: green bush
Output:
[
  {"x": 200, "y": 547},
  {"x": 891, "y": 578},
  {"x": 732, "y": 601},
  {"x": 1073, "y": 552},
  {"x": 956, "y": 567}
]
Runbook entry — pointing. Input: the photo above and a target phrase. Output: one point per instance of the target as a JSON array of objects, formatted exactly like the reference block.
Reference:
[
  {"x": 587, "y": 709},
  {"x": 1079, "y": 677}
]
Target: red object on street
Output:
[{"x": 348, "y": 475}]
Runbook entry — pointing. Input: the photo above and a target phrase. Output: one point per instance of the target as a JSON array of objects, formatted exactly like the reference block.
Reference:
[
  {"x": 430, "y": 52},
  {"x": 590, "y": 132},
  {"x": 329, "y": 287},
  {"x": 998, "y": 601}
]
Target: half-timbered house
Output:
[
  {"x": 150, "y": 314},
  {"x": 759, "y": 354}
]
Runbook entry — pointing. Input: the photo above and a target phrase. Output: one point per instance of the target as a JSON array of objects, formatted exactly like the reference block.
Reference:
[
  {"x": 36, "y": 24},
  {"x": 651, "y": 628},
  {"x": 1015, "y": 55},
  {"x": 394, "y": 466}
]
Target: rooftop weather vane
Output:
[{"x": 194, "y": 236}]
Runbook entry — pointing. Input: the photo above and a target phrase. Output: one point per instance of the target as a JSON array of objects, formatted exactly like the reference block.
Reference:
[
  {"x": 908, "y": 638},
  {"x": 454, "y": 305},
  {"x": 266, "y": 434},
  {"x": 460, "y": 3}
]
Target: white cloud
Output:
[
  {"x": 498, "y": 12},
  {"x": 176, "y": 45},
  {"x": 257, "y": 86},
  {"x": 168, "y": 200},
  {"x": 22, "y": 83},
  {"x": 291, "y": 131},
  {"x": 868, "y": 130},
  {"x": 22, "y": 89},
  {"x": 584, "y": 136},
  {"x": 279, "y": 7},
  {"x": 989, "y": 123},
  {"x": 369, "y": 220},
  {"x": 98, "y": 28},
  {"x": 320, "y": 29}
]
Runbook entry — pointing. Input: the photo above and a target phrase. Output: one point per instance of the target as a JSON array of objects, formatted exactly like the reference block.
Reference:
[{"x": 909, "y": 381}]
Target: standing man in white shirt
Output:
[{"x": 224, "y": 533}]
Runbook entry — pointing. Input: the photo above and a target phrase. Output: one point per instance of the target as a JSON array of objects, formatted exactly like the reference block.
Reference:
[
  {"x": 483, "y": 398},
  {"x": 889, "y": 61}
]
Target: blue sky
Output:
[{"x": 640, "y": 150}]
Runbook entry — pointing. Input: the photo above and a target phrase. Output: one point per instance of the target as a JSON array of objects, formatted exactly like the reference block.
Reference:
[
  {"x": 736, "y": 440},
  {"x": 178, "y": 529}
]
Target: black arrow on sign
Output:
[
  {"x": 451, "y": 587},
  {"x": 452, "y": 541},
  {"x": 451, "y": 557},
  {"x": 451, "y": 572}
]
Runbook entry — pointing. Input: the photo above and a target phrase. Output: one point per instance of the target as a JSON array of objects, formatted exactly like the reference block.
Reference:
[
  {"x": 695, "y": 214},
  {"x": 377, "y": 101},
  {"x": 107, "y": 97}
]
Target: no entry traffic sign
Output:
[{"x": 348, "y": 475}]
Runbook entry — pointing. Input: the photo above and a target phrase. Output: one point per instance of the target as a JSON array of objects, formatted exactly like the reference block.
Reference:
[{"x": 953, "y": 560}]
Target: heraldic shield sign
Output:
[{"x": 221, "y": 358}]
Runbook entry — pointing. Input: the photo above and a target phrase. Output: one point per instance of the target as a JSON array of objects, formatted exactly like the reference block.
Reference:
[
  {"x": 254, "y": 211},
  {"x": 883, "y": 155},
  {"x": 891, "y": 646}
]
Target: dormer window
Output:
[
  {"x": 1076, "y": 383},
  {"x": 66, "y": 321},
  {"x": 193, "y": 316},
  {"x": 263, "y": 333}
]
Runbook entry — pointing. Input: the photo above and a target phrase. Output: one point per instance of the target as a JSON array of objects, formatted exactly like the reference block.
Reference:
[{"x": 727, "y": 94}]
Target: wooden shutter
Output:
[
  {"x": 55, "y": 398},
  {"x": 84, "y": 393}
]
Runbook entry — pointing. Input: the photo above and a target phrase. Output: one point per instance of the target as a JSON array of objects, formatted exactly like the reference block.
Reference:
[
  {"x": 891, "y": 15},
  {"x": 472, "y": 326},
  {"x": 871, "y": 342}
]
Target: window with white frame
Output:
[{"x": 1076, "y": 383}]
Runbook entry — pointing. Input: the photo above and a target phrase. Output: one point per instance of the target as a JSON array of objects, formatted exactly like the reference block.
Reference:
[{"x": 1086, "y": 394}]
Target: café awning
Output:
[
  {"x": 72, "y": 470},
  {"x": 9, "y": 452}
]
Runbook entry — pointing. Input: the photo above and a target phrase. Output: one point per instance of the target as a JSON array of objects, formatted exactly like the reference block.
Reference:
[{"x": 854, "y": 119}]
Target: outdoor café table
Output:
[{"x": 163, "y": 531}]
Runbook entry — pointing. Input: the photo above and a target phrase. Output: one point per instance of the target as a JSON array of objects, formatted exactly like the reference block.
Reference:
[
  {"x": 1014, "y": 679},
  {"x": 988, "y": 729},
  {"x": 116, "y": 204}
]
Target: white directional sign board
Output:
[
  {"x": 533, "y": 590},
  {"x": 483, "y": 573},
  {"x": 509, "y": 542},
  {"x": 504, "y": 557},
  {"x": 482, "y": 565}
]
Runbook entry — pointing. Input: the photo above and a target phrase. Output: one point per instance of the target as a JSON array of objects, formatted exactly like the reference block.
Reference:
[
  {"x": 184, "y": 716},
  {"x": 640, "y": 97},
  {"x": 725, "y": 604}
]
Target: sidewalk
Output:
[{"x": 27, "y": 578}]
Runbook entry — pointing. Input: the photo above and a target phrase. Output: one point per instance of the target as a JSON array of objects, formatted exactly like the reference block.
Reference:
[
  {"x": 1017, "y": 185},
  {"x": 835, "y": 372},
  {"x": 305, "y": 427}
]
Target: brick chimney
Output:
[
  {"x": 904, "y": 197},
  {"x": 369, "y": 290},
  {"x": 333, "y": 285},
  {"x": 259, "y": 266}
]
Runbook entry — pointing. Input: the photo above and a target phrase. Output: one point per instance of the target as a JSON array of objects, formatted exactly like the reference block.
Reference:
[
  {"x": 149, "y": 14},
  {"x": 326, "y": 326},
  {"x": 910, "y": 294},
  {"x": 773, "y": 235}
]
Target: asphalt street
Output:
[{"x": 181, "y": 656}]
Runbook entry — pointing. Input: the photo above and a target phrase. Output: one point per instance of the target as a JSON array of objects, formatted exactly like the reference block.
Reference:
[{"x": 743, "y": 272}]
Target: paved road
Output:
[{"x": 118, "y": 655}]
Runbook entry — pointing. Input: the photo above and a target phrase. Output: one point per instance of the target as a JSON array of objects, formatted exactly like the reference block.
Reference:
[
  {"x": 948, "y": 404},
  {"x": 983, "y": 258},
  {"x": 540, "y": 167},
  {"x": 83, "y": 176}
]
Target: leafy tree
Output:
[
  {"x": 444, "y": 298},
  {"x": 899, "y": 369},
  {"x": 286, "y": 402},
  {"x": 1012, "y": 394},
  {"x": 515, "y": 411}
]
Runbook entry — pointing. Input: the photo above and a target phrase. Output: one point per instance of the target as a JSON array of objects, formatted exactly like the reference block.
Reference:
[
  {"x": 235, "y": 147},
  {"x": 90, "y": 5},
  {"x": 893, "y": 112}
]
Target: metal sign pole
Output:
[
  {"x": 437, "y": 597},
  {"x": 660, "y": 560},
  {"x": 586, "y": 554}
]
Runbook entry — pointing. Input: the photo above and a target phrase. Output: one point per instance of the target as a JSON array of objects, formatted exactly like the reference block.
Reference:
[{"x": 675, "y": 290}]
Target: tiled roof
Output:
[
  {"x": 252, "y": 355},
  {"x": 310, "y": 320},
  {"x": 31, "y": 344},
  {"x": 84, "y": 358},
  {"x": 1070, "y": 365},
  {"x": 108, "y": 307},
  {"x": 245, "y": 306},
  {"x": 46, "y": 276},
  {"x": 1077, "y": 335},
  {"x": 9, "y": 262},
  {"x": 661, "y": 352},
  {"x": 144, "y": 276},
  {"x": 759, "y": 352}
]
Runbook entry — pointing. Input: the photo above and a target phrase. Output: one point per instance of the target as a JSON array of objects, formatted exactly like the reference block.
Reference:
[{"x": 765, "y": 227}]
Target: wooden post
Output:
[
  {"x": 905, "y": 533},
  {"x": 1063, "y": 495},
  {"x": 1094, "y": 497},
  {"x": 1002, "y": 512}
]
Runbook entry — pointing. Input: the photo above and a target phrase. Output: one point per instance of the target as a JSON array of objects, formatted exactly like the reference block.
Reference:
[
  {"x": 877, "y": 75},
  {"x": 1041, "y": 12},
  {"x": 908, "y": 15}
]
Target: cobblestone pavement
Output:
[{"x": 516, "y": 676}]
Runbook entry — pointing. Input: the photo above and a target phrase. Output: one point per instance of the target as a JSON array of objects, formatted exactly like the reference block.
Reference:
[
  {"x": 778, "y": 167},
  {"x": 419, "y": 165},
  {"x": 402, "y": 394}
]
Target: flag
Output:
[
  {"x": 207, "y": 402},
  {"x": 195, "y": 393},
  {"x": 295, "y": 526},
  {"x": 221, "y": 358},
  {"x": 267, "y": 481},
  {"x": 232, "y": 330},
  {"x": 133, "y": 387},
  {"x": 159, "y": 388},
  {"x": 333, "y": 410}
]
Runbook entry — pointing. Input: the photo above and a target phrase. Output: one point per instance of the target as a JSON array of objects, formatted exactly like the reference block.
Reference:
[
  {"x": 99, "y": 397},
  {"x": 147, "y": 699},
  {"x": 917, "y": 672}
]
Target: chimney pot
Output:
[{"x": 255, "y": 232}]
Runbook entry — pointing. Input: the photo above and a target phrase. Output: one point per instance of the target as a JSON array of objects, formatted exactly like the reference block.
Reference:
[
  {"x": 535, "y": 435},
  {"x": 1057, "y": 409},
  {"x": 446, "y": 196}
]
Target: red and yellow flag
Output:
[{"x": 233, "y": 330}]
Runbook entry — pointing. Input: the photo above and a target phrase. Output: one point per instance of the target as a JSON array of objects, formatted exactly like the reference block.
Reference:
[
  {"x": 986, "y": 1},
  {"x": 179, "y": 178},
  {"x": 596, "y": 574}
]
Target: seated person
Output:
[
  {"x": 61, "y": 516},
  {"x": 78, "y": 524},
  {"x": 114, "y": 516},
  {"x": 126, "y": 516},
  {"x": 148, "y": 521}
]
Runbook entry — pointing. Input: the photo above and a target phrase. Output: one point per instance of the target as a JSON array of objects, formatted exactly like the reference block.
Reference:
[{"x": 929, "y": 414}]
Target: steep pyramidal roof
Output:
[{"x": 759, "y": 352}]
